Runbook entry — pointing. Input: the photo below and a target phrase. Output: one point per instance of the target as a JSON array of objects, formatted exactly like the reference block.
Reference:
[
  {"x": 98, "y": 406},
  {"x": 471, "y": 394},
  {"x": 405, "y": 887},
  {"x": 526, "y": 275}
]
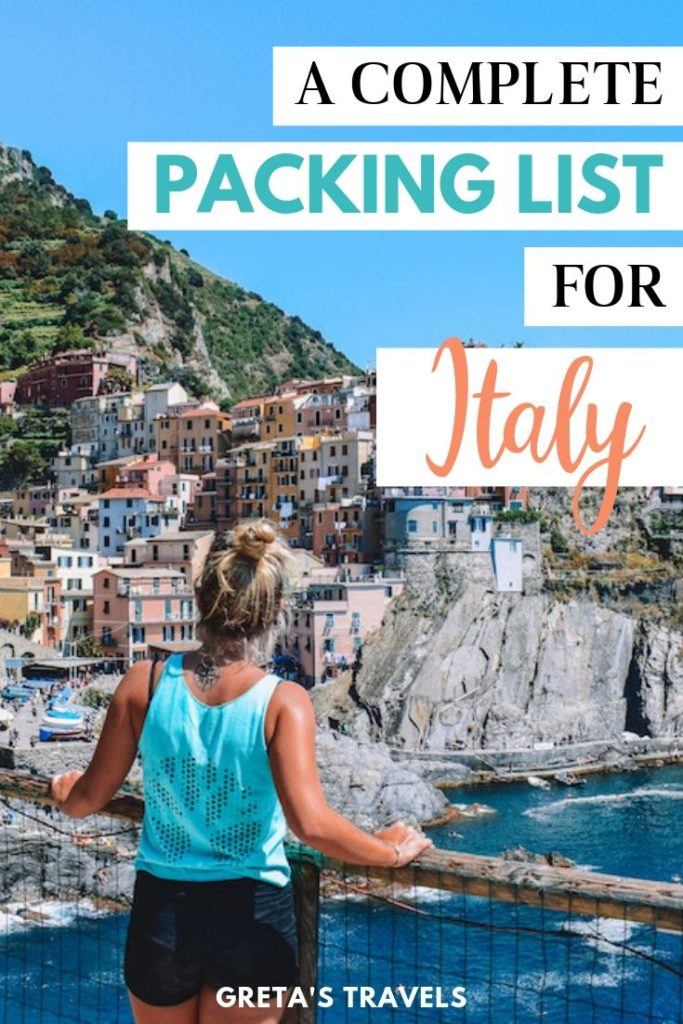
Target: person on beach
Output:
[{"x": 228, "y": 760}]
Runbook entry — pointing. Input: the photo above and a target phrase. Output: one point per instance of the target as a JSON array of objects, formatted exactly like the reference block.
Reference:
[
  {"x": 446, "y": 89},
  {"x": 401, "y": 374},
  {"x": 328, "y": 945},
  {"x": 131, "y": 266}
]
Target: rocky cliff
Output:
[{"x": 457, "y": 665}]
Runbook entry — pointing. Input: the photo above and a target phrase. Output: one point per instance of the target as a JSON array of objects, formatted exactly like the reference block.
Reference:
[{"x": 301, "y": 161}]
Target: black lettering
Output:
[
  {"x": 356, "y": 81},
  {"x": 317, "y": 86}
]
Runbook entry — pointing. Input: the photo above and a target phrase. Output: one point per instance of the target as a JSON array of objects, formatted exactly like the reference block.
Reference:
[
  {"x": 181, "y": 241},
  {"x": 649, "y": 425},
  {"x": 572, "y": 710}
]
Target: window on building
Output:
[
  {"x": 106, "y": 608},
  {"x": 107, "y": 541},
  {"x": 412, "y": 526}
]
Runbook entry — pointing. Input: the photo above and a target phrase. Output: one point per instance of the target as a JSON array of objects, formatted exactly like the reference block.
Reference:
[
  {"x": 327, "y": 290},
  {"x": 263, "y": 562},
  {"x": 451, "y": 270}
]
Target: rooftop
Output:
[
  {"x": 148, "y": 573},
  {"x": 130, "y": 492}
]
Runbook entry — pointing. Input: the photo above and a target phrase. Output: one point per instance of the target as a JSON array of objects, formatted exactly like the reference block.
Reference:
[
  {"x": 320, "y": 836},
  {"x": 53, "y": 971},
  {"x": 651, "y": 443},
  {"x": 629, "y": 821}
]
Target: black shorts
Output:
[{"x": 184, "y": 936}]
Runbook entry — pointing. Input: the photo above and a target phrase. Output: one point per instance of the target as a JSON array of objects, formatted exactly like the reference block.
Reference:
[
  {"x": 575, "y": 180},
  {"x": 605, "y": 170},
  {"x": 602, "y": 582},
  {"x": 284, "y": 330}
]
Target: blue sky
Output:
[{"x": 82, "y": 78}]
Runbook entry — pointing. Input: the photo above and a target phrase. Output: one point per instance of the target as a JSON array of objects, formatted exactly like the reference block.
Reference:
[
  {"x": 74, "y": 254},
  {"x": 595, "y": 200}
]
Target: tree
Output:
[
  {"x": 558, "y": 542},
  {"x": 87, "y": 647},
  {"x": 21, "y": 462},
  {"x": 71, "y": 336}
]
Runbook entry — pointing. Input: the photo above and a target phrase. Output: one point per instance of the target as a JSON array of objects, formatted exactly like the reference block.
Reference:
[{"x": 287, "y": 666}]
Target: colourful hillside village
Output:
[{"x": 98, "y": 562}]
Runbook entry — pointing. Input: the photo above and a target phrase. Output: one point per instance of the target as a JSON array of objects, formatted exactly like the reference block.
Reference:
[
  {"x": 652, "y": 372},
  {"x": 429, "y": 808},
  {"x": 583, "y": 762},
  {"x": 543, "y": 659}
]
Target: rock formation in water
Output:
[{"x": 457, "y": 665}]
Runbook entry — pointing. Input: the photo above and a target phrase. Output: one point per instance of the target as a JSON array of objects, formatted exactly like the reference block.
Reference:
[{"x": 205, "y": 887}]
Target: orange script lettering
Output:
[{"x": 523, "y": 424}]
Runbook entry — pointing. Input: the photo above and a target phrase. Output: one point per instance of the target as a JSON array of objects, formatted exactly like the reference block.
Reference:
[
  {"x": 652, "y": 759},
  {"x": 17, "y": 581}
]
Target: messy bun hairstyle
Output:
[{"x": 242, "y": 583}]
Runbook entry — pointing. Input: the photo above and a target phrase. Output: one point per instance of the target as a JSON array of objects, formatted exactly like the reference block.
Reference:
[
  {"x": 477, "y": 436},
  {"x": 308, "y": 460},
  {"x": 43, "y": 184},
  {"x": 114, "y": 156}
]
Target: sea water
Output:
[{"x": 518, "y": 964}]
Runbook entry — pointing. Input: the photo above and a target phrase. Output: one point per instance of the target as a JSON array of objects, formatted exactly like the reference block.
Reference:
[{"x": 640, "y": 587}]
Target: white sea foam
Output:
[
  {"x": 52, "y": 914},
  {"x": 642, "y": 793},
  {"x": 603, "y": 933}
]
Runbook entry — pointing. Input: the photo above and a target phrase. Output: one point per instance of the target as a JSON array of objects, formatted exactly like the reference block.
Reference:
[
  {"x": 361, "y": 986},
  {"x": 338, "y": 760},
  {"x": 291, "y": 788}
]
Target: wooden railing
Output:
[{"x": 654, "y": 903}]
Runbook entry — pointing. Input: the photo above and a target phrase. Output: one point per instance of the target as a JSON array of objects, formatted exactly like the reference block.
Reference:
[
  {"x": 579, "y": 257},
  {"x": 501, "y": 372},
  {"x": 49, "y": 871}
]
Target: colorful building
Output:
[
  {"x": 185, "y": 550},
  {"x": 246, "y": 419},
  {"x": 126, "y": 512},
  {"x": 331, "y": 620},
  {"x": 135, "y": 608},
  {"x": 33, "y": 604},
  {"x": 74, "y": 468},
  {"x": 61, "y": 379},
  {"x": 346, "y": 532},
  {"x": 279, "y": 416},
  {"x": 346, "y": 465},
  {"x": 283, "y": 488}
]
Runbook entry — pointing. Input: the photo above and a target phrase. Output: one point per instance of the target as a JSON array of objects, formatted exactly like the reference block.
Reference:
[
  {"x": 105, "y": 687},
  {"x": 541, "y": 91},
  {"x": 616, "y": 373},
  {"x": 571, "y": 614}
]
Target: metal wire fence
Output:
[{"x": 455, "y": 937}]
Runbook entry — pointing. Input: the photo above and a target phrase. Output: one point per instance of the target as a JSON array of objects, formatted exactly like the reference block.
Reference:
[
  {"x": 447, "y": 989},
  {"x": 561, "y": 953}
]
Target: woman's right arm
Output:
[{"x": 310, "y": 817}]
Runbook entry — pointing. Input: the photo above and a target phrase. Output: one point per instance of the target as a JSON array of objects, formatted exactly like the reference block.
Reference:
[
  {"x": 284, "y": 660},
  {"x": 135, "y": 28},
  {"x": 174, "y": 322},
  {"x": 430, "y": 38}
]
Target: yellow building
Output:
[
  {"x": 32, "y": 600},
  {"x": 279, "y": 416},
  {"x": 283, "y": 487}
]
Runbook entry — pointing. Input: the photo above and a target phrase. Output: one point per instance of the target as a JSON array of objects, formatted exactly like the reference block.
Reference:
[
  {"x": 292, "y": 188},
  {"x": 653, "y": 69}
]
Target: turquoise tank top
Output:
[{"x": 211, "y": 808}]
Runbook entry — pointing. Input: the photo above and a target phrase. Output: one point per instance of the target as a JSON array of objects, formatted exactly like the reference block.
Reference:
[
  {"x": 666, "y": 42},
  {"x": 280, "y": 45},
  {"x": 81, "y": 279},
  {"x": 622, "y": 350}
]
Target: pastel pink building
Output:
[
  {"x": 331, "y": 619},
  {"x": 315, "y": 413},
  {"x": 8, "y": 390},
  {"x": 147, "y": 472},
  {"x": 136, "y": 608}
]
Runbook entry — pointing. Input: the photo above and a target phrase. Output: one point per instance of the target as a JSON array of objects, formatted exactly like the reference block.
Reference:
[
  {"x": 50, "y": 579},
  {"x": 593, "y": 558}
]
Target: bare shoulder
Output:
[
  {"x": 133, "y": 689},
  {"x": 290, "y": 700}
]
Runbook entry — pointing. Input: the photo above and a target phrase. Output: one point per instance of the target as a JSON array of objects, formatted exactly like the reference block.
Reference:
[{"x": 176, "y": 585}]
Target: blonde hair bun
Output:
[{"x": 252, "y": 540}]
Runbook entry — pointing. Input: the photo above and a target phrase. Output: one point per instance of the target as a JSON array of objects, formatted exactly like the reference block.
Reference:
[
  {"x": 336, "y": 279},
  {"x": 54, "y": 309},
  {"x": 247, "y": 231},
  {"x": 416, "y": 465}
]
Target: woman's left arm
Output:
[{"x": 81, "y": 793}]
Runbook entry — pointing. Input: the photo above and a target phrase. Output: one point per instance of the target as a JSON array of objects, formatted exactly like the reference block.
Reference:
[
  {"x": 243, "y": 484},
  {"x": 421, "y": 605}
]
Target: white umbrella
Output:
[{"x": 5, "y": 716}]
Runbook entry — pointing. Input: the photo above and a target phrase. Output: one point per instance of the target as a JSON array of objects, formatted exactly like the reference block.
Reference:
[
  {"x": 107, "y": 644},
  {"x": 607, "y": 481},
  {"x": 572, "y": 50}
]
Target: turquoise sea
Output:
[{"x": 517, "y": 964}]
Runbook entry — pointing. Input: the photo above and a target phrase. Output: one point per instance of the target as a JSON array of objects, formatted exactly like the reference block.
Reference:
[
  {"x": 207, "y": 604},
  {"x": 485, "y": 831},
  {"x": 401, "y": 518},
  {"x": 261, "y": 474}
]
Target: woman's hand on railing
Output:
[
  {"x": 408, "y": 842},
  {"x": 61, "y": 786}
]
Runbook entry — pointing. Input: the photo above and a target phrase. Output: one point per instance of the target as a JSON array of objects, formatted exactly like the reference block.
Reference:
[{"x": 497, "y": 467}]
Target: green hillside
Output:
[{"x": 69, "y": 278}]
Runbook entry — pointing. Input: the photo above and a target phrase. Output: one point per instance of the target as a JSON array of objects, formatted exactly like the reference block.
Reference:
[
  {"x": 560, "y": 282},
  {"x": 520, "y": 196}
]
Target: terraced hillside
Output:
[{"x": 71, "y": 278}]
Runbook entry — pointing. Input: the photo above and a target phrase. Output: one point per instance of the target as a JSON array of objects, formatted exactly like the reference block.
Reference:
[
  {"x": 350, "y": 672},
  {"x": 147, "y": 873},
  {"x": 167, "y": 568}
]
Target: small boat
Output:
[
  {"x": 68, "y": 714},
  {"x": 567, "y": 779},
  {"x": 16, "y": 693},
  {"x": 61, "y": 723},
  {"x": 538, "y": 782},
  {"x": 57, "y": 735}
]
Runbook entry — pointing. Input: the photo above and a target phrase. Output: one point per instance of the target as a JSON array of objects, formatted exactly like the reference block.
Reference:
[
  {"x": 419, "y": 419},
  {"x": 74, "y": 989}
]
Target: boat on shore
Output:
[{"x": 538, "y": 782}]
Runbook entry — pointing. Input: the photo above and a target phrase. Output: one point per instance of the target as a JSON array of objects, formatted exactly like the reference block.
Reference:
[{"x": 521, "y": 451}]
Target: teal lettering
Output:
[
  {"x": 262, "y": 183},
  {"x": 166, "y": 184},
  {"x": 642, "y": 163},
  {"x": 320, "y": 183},
  {"x": 483, "y": 190},
  {"x": 225, "y": 168},
  {"x": 527, "y": 203},
  {"x": 422, "y": 194},
  {"x": 609, "y": 189}
]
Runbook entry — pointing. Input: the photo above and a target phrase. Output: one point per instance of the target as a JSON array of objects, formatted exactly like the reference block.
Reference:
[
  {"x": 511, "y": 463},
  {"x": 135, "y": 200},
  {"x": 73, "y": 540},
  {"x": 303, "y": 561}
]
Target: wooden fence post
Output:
[{"x": 306, "y": 882}]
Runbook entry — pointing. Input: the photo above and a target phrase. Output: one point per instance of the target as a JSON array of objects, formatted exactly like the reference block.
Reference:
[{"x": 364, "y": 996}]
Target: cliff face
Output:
[{"x": 457, "y": 665}]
